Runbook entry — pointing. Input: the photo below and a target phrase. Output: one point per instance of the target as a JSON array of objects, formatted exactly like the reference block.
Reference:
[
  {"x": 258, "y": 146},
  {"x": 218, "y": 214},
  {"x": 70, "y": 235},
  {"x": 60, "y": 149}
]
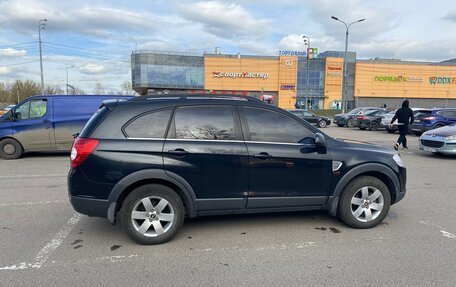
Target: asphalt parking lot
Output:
[{"x": 44, "y": 242}]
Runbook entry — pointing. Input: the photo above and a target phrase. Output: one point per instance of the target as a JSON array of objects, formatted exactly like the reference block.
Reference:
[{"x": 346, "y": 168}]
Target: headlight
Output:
[
  {"x": 398, "y": 160},
  {"x": 450, "y": 138}
]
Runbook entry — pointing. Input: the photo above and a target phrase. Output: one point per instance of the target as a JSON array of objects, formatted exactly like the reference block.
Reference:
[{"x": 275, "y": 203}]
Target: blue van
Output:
[{"x": 47, "y": 123}]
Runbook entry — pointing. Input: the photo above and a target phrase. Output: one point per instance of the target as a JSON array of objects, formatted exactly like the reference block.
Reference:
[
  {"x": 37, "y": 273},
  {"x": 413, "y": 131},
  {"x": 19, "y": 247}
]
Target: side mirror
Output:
[{"x": 320, "y": 140}]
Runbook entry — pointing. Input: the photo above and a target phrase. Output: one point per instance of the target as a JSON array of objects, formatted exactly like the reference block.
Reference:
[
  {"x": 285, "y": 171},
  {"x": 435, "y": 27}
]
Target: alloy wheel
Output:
[
  {"x": 367, "y": 204},
  {"x": 152, "y": 216},
  {"x": 9, "y": 149}
]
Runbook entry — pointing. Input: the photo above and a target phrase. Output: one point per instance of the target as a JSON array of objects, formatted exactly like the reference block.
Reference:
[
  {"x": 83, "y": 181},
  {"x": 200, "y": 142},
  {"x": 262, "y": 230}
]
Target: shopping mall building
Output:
[{"x": 292, "y": 80}]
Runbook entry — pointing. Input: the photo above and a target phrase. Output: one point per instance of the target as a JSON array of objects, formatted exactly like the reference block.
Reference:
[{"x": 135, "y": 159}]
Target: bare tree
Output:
[
  {"x": 53, "y": 90},
  {"x": 98, "y": 90},
  {"x": 126, "y": 89},
  {"x": 21, "y": 90}
]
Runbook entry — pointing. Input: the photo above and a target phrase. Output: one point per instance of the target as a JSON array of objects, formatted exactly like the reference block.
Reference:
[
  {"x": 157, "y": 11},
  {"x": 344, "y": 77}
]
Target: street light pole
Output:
[
  {"x": 41, "y": 26},
  {"x": 344, "y": 92},
  {"x": 306, "y": 40},
  {"x": 67, "y": 77}
]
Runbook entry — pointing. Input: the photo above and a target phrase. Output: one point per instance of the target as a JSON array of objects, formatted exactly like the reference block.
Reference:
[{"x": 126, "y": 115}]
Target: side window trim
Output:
[
  {"x": 123, "y": 129},
  {"x": 246, "y": 128},
  {"x": 172, "y": 135},
  {"x": 29, "y": 102}
]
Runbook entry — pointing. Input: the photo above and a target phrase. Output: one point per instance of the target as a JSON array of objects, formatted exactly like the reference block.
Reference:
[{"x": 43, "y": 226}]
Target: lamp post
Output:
[
  {"x": 306, "y": 40},
  {"x": 41, "y": 26},
  {"x": 67, "y": 77},
  {"x": 344, "y": 93}
]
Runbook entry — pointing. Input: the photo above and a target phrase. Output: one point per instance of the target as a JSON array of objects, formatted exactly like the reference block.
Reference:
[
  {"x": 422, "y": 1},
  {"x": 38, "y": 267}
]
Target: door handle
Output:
[
  {"x": 178, "y": 152},
  {"x": 262, "y": 155}
]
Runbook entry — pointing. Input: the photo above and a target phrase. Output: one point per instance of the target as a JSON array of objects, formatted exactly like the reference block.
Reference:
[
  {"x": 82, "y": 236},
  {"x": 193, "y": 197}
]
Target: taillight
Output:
[
  {"x": 360, "y": 117},
  {"x": 82, "y": 148},
  {"x": 428, "y": 118}
]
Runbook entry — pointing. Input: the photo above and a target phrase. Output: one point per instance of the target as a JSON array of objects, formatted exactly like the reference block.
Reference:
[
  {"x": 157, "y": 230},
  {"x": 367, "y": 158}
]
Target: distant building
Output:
[{"x": 289, "y": 80}]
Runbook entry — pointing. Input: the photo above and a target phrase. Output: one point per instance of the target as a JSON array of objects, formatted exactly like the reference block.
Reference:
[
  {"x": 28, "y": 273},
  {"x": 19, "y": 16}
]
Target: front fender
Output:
[
  {"x": 148, "y": 174},
  {"x": 333, "y": 200}
]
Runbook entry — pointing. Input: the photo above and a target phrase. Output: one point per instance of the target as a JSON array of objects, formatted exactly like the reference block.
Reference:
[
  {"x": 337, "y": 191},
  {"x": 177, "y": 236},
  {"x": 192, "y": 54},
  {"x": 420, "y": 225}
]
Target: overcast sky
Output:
[{"x": 97, "y": 37}]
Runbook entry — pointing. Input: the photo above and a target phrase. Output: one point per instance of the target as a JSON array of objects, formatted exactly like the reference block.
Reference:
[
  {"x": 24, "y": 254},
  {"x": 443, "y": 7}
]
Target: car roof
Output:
[{"x": 199, "y": 97}]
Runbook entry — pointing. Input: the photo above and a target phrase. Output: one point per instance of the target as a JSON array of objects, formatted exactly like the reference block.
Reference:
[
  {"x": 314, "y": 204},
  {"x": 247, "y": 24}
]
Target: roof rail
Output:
[{"x": 196, "y": 97}]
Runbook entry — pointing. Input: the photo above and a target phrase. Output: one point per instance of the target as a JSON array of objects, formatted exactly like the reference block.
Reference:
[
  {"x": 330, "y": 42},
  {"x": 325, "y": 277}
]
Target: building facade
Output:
[{"x": 295, "y": 81}]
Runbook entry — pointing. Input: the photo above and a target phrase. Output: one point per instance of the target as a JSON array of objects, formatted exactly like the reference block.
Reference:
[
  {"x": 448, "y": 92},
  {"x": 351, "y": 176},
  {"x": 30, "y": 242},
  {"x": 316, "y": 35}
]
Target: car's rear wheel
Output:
[
  {"x": 364, "y": 203},
  {"x": 373, "y": 126},
  {"x": 10, "y": 149},
  {"x": 438, "y": 126},
  {"x": 152, "y": 214},
  {"x": 322, "y": 124},
  {"x": 390, "y": 130},
  {"x": 340, "y": 125}
]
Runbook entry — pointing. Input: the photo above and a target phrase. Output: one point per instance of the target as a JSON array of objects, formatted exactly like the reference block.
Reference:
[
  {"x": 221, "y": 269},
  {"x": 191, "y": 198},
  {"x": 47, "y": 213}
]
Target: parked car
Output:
[
  {"x": 46, "y": 123},
  {"x": 312, "y": 118},
  {"x": 386, "y": 120},
  {"x": 441, "y": 140},
  {"x": 6, "y": 109},
  {"x": 371, "y": 119},
  {"x": 152, "y": 161},
  {"x": 349, "y": 119},
  {"x": 433, "y": 119}
]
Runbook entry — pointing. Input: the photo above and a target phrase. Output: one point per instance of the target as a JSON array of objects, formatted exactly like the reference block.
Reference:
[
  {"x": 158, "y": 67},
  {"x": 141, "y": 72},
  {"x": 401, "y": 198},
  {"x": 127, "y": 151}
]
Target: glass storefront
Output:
[
  {"x": 311, "y": 83},
  {"x": 167, "y": 71}
]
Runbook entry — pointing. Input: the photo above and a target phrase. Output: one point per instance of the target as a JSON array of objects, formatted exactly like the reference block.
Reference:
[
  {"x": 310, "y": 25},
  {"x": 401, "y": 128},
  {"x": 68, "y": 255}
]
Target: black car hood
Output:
[
  {"x": 366, "y": 146},
  {"x": 443, "y": 131}
]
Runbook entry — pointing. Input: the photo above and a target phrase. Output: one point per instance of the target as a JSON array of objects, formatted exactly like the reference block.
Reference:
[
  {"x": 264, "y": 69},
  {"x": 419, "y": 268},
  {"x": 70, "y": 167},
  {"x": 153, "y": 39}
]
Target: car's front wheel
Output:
[
  {"x": 373, "y": 126},
  {"x": 350, "y": 123},
  {"x": 364, "y": 203},
  {"x": 322, "y": 124},
  {"x": 10, "y": 149},
  {"x": 152, "y": 214}
]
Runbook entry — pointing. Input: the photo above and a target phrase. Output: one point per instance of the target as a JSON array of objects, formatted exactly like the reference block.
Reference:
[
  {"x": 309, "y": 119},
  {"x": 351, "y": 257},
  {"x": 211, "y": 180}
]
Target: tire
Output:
[
  {"x": 362, "y": 128},
  {"x": 391, "y": 131},
  {"x": 351, "y": 210},
  {"x": 418, "y": 133},
  {"x": 322, "y": 124},
  {"x": 10, "y": 149},
  {"x": 168, "y": 217},
  {"x": 350, "y": 124},
  {"x": 340, "y": 125},
  {"x": 373, "y": 126},
  {"x": 438, "y": 126}
]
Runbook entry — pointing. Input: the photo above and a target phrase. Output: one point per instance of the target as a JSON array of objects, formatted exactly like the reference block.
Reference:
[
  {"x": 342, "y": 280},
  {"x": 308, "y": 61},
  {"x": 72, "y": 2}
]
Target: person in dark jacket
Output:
[{"x": 404, "y": 117}]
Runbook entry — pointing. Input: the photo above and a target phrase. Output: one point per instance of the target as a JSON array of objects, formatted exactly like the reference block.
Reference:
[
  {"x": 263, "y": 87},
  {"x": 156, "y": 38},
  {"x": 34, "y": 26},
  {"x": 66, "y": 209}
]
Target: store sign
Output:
[
  {"x": 235, "y": 75},
  {"x": 287, "y": 87},
  {"x": 442, "y": 80},
  {"x": 398, "y": 79},
  {"x": 292, "y": 53},
  {"x": 313, "y": 53},
  {"x": 332, "y": 68},
  {"x": 334, "y": 74}
]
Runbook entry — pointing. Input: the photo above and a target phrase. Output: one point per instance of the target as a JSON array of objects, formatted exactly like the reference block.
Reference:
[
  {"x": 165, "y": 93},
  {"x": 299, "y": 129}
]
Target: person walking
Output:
[{"x": 404, "y": 117}]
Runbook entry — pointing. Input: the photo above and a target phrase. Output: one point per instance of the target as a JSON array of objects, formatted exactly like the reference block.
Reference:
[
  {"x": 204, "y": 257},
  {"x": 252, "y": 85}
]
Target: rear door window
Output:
[
  {"x": 270, "y": 126},
  {"x": 205, "y": 123},
  {"x": 150, "y": 125}
]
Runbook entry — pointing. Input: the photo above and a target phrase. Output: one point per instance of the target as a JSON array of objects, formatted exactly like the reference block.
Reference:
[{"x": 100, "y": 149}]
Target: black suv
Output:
[{"x": 149, "y": 162}]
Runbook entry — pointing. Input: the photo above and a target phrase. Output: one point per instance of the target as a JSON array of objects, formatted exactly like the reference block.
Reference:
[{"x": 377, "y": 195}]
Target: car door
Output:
[
  {"x": 204, "y": 147},
  {"x": 311, "y": 118},
  {"x": 32, "y": 125},
  {"x": 285, "y": 167}
]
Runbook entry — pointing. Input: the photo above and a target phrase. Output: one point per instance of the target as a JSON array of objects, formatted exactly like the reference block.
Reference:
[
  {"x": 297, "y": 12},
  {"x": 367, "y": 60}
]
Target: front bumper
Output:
[{"x": 437, "y": 145}]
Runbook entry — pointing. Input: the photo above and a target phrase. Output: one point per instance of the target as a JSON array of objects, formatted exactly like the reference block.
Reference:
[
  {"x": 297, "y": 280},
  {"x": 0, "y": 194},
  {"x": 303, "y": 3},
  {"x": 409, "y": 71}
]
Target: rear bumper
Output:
[{"x": 90, "y": 206}]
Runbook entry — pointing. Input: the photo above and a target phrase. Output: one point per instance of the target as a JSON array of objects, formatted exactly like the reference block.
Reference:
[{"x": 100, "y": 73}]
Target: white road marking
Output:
[
  {"x": 28, "y": 203},
  {"x": 33, "y": 175},
  {"x": 112, "y": 259},
  {"x": 442, "y": 230},
  {"x": 44, "y": 253}
]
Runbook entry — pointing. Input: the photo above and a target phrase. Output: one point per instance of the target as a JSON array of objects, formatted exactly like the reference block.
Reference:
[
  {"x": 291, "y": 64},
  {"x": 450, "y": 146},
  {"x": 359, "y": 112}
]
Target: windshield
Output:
[{"x": 355, "y": 111}]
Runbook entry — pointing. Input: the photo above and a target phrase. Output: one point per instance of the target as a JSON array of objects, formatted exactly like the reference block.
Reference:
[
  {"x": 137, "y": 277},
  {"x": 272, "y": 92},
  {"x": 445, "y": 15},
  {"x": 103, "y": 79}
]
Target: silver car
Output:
[{"x": 441, "y": 140}]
